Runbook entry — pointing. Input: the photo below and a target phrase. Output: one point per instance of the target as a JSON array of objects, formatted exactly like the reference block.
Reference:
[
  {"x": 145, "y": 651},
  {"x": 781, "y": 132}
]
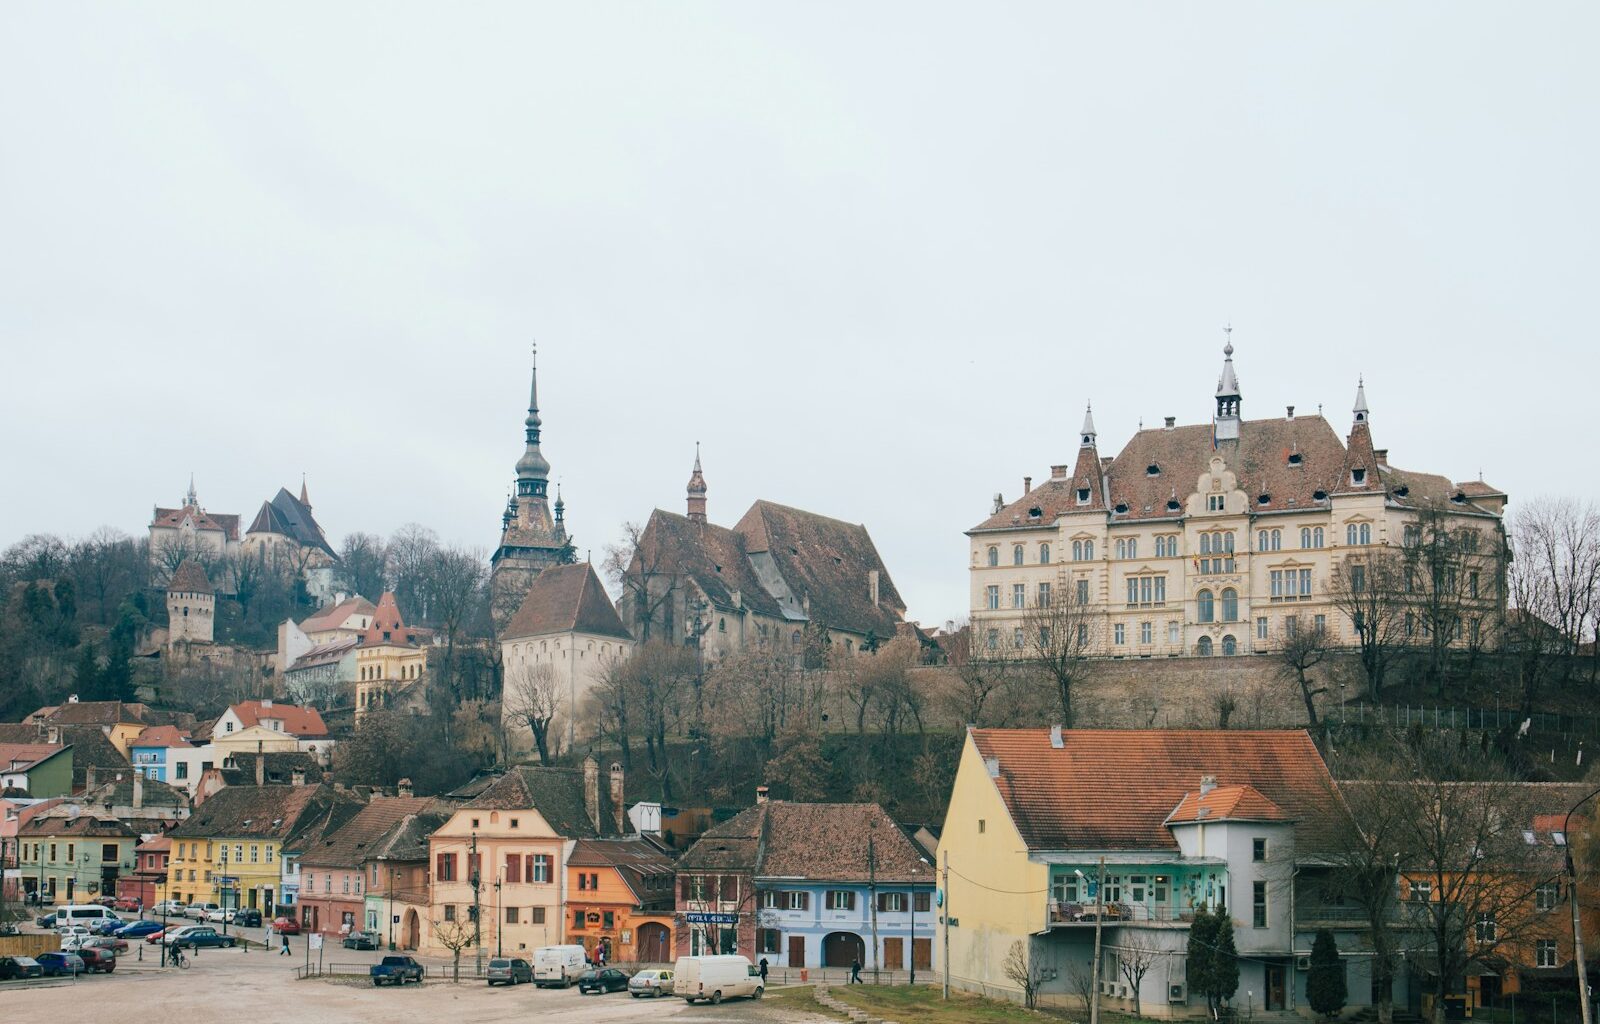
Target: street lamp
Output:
[
  {"x": 1572, "y": 899},
  {"x": 391, "y": 909},
  {"x": 498, "y": 949}
]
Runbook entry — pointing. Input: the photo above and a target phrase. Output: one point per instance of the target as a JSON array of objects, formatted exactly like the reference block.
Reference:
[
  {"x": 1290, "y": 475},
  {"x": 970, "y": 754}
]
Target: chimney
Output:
[
  {"x": 1291, "y": 412},
  {"x": 993, "y": 766},
  {"x": 138, "y": 790},
  {"x": 1027, "y": 485},
  {"x": 761, "y": 794},
  {"x": 298, "y": 778},
  {"x": 261, "y": 764},
  {"x": 1207, "y": 784},
  {"x": 619, "y": 809},
  {"x": 1382, "y": 455},
  {"x": 591, "y": 790},
  {"x": 1170, "y": 422},
  {"x": 999, "y": 501},
  {"x": 402, "y": 788},
  {"x": 1058, "y": 472},
  {"x": 872, "y": 586},
  {"x": 1055, "y": 737},
  {"x": 89, "y": 778},
  {"x": 266, "y": 702}
]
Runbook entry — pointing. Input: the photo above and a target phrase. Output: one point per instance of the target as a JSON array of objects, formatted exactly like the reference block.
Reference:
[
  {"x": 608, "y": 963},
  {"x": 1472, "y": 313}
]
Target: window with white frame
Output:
[
  {"x": 1214, "y": 503},
  {"x": 992, "y": 597},
  {"x": 1016, "y": 555},
  {"x": 1119, "y": 633},
  {"x": 1147, "y": 591},
  {"x": 1269, "y": 540},
  {"x": 1019, "y": 595},
  {"x": 1018, "y": 639},
  {"x": 1044, "y": 595},
  {"x": 1545, "y": 953},
  {"x": 1083, "y": 592},
  {"x": 839, "y": 899},
  {"x": 1172, "y": 633},
  {"x": 1261, "y": 627},
  {"x": 994, "y": 556},
  {"x": 1145, "y": 632},
  {"x": 1547, "y": 896}
]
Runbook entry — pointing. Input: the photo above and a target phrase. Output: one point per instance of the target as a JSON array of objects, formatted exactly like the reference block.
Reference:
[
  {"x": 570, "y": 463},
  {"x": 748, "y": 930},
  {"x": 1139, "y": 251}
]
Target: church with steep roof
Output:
[
  {"x": 1219, "y": 538},
  {"x": 533, "y": 533}
]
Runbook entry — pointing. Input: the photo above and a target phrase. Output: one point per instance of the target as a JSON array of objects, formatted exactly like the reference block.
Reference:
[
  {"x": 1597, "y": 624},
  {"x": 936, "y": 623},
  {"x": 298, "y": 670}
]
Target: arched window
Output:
[
  {"x": 795, "y": 637},
  {"x": 1227, "y": 542},
  {"x": 1316, "y": 537},
  {"x": 1230, "y": 646},
  {"x": 1016, "y": 555},
  {"x": 1230, "y": 605},
  {"x": 1206, "y": 605},
  {"x": 1261, "y": 541},
  {"x": 1122, "y": 549},
  {"x": 1366, "y": 533},
  {"x": 1205, "y": 543},
  {"x": 1077, "y": 551},
  {"x": 1088, "y": 550},
  {"x": 1203, "y": 648},
  {"x": 994, "y": 556},
  {"x": 1044, "y": 554}
]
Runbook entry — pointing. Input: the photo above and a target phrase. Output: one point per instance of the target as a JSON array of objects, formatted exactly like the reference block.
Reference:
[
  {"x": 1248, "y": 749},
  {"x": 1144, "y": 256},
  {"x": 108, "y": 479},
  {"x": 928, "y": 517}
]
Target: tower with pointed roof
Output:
[
  {"x": 191, "y": 605},
  {"x": 696, "y": 491},
  {"x": 532, "y": 538},
  {"x": 1228, "y": 398}
]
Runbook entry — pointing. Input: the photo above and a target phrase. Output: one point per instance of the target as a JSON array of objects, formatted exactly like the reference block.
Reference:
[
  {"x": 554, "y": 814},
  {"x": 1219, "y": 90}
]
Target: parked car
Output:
[
  {"x": 513, "y": 971},
  {"x": 201, "y": 936},
  {"x": 362, "y": 940},
  {"x": 46, "y": 920},
  {"x": 602, "y": 980},
  {"x": 247, "y": 917},
  {"x": 286, "y": 926},
  {"x": 72, "y": 931},
  {"x": 98, "y": 961},
  {"x": 200, "y": 911},
  {"x": 220, "y": 916},
  {"x": 55, "y": 965},
  {"x": 105, "y": 901},
  {"x": 396, "y": 970},
  {"x": 650, "y": 983},
  {"x": 138, "y": 929},
  {"x": 110, "y": 926},
  {"x": 115, "y": 943},
  {"x": 160, "y": 934},
  {"x": 131, "y": 904},
  {"x": 715, "y": 978},
  {"x": 169, "y": 908},
  {"x": 10, "y": 928},
  {"x": 13, "y": 968}
]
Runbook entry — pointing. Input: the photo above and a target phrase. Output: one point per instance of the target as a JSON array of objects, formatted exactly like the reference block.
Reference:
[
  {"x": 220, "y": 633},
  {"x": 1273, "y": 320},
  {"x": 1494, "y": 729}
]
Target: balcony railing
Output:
[{"x": 1065, "y": 914}]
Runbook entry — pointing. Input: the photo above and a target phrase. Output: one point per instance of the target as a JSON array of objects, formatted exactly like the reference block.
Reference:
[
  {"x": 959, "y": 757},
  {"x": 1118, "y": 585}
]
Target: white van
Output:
[
  {"x": 715, "y": 978},
  {"x": 86, "y": 914},
  {"x": 558, "y": 965}
]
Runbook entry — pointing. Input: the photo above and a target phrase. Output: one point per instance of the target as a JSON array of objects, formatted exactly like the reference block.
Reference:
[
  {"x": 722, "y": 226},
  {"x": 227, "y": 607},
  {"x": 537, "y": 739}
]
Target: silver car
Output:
[{"x": 650, "y": 983}]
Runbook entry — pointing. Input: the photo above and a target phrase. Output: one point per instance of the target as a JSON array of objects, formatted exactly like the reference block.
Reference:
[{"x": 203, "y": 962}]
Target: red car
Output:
[
  {"x": 286, "y": 926},
  {"x": 101, "y": 961},
  {"x": 155, "y": 937},
  {"x": 127, "y": 903}
]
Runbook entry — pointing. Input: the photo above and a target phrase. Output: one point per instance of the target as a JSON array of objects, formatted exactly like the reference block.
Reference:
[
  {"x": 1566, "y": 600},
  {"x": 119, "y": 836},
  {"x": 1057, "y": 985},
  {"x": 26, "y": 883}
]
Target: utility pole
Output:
[
  {"x": 498, "y": 951},
  {"x": 477, "y": 887},
  {"x": 1099, "y": 922},
  {"x": 872, "y": 889},
  {"x": 1577, "y": 923},
  {"x": 944, "y": 922}
]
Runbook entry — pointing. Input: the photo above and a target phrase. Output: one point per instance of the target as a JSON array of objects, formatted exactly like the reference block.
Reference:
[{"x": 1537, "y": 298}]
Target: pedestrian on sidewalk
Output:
[
  {"x": 855, "y": 971},
  {"x": 284, "y": 951},
  {"x": 763, "y": 972}
]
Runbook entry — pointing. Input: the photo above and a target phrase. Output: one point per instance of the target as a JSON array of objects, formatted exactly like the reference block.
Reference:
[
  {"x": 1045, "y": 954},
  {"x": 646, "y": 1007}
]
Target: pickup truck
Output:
[{"x": 396, "y": 970}]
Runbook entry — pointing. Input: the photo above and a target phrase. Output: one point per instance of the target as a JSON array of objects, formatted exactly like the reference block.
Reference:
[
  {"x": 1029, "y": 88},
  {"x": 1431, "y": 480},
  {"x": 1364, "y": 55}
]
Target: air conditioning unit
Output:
[
  {"x": 1302, "y": 963},
  {"x": 1176, "y": 993},
  {"x": 1122, "y": 991}
]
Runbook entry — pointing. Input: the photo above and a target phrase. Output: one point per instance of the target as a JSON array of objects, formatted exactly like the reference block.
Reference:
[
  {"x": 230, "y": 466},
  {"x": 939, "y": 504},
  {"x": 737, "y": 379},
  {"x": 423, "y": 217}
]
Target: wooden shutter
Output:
[
  {"x": 730, "y": 888},
  {"x": 805, "y": 901},
  {"x": 683, "y": 888},
  {"x": 513, "y": 866},
  {"x": 883, "y": 902}
]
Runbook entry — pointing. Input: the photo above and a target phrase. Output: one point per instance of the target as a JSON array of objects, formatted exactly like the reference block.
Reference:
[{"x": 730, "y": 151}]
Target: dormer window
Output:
[
  {"x": 1083, "y": 495},
  {"x": 1265, "y": 499},
  {"x": 1122, "y": 508},
  {"x": 1358, "y": 475},
  {"x": 1294, "y": 458},
  {"x": 1035, "y": 512},
  {"x": 1319, "y": 495},
  {"x": 1458, "y": 498},
  {"x": 1172, "y": 505},
  {"x": 1152, "y": 470},
  {"x": 1402, "y": 491}
]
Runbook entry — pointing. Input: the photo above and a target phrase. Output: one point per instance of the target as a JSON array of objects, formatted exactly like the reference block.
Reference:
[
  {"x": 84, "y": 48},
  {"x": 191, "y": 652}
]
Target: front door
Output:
[
  {"x": 797, "y": 951},
  {"x": 894, "y": 954},
  {"x": 922, "y": 954},
  {"x": 1276, "y": 996}
]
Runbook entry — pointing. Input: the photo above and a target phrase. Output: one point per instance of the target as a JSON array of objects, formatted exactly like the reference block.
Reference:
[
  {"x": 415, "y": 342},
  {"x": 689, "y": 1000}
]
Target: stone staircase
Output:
[{"x": 826, "y": 998}]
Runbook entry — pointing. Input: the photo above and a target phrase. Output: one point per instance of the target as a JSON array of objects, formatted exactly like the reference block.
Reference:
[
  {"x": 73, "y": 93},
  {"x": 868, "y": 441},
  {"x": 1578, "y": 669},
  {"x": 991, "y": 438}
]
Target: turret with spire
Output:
[
  {"x": 1361, "y": 409},
  {"x": 305, "y": 499},
  {"x": 697, "y": 490},
  {"x": 1087, "y": 433},
  {"x": 190, "y": 500},
  {"x": 1228, "y": 399}
]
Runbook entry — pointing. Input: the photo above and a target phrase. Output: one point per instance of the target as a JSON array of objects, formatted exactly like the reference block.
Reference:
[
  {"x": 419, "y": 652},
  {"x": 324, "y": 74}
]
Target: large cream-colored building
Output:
[
  {"x": 391, "y": 661},
  {"x": 1215, "y": 538}
]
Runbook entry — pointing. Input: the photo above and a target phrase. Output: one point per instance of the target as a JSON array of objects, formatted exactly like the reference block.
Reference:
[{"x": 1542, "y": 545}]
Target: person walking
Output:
[
  {"x": 284, "y": 951},
  {"x": 763, "y": 972},
  {"x": 855, "y": 971}
]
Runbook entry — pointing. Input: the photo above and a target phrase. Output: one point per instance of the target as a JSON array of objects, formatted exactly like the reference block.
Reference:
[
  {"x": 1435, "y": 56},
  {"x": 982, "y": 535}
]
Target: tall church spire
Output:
[
  {"x": 189, "y": 499},
  {"x": 1361, "y": 409},
  {"x": 533, "y": 469},
  {"x": 1087, "y": 432},
  {"x": 1228, "y": 398},
  {"x": 697, "y": 490}
]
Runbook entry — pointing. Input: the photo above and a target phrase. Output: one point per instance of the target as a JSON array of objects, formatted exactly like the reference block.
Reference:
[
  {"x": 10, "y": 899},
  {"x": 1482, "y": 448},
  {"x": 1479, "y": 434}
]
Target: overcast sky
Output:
[{"x": 875, "y": 256}]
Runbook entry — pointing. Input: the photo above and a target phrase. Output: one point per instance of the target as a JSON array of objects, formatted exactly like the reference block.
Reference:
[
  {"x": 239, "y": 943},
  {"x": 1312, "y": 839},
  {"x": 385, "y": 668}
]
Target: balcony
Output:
[{"x": 1067, "y": 915}]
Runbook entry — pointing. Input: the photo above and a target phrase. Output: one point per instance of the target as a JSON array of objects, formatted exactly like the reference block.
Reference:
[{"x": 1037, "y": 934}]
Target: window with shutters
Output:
[
  {"x": 839, "y": 899},
  {"x": 536, "y": 915},
  {"x": 729, "y": 889},
  {"x": 444, "y": 868},
  {"x": 921, "y": 901},
  {"x": 540, "y": 865},
  {"x": 891, "y": 902}
]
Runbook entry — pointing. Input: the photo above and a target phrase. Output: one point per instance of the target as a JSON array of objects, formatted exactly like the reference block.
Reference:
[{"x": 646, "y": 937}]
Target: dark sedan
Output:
[
  {"x": 606, "y": 980},
  {"x": 15, "y": 967},
  {"x": 138, "y": 929},
  {"x": 204, "y": 938},
  {"x": 55, "y": 965},
  {"x": 247, "y": 917},
  {"x": 361, "y": 940},
  {"x": 102, "y": 961}
]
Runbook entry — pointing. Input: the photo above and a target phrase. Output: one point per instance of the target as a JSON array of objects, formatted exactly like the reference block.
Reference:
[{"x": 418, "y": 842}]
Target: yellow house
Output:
[
  {"x": 230, "y": 851},
  {"x": 256, "y": 739},
  {"x": 390, "y": 661}
]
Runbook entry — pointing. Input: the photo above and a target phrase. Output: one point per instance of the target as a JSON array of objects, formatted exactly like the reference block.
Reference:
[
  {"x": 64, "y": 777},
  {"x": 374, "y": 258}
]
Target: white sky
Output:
[{"x": 875, "y": 256}]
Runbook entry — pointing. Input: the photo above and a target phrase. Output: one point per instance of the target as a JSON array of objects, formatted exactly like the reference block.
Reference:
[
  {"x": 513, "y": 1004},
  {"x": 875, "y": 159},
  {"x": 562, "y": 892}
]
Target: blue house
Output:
[
  {"x": 807, "y": 886},
  {"x": 148, "y": 751}
]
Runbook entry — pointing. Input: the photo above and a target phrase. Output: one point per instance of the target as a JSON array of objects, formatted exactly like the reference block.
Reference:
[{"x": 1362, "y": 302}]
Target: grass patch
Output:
[
  {"x": 918, "y": 1004},
  {"x": 803, "y": 999}
]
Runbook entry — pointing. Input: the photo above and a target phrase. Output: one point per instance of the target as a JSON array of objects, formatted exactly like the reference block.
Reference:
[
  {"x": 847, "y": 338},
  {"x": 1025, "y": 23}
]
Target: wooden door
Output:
[
  {"x": 922, "y": 954},
  {"x": 894, "y": 954},
  {"x": 1276, "y": 997},
  {"x": 797, "y": 951}
]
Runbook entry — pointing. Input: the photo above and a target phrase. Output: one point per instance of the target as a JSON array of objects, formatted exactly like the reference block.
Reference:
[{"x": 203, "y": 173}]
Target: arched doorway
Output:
[
  {"x": 409, "y": 931},
  {"x": 840, "y": 949},
  {"x": 655, "y": 943}
]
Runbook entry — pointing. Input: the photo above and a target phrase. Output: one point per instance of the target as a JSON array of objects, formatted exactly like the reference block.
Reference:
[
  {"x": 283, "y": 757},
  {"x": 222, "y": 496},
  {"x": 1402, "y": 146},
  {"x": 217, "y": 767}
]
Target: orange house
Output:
[{"x": 619, "y": 899}]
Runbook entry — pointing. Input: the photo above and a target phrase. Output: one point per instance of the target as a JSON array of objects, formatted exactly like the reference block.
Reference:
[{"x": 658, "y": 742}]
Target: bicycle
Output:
[{"x": 176, "y": 958}]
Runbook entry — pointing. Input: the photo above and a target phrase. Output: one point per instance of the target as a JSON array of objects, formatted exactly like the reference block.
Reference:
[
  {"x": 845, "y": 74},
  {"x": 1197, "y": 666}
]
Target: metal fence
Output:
[
  {"x": 470, "y": 971},
  {"x": 1403, "y": 716}
]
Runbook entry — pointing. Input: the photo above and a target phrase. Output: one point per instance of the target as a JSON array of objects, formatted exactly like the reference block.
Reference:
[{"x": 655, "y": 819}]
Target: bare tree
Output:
[
  {"x": 1225, "y": 703},
  {"x": 1302, "y": 651},
  {"x": 364, "y": 565},
  {"x": 455, "y": 936},
  {"x": 1058, "y": 634},
  {"x": 1136, "y": 954},
  {"x": 1445, "y": 560},
  {"x": 1081, "y": 979},
  {"x": 1370, "y": 590},
  {"x": 454, "y": 581},
  {"x": 532, "y": 698},
  {"x": 1021, "y": 973},
  {"x": 409, "y": 553},
  {"x": 1555, "y": 585},
  {"x": 637, "y": 568}
]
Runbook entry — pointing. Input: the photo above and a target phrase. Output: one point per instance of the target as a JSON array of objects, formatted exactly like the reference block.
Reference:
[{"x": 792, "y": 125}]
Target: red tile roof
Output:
[
  {"x": 826, "y": 563},
  {"x": 297, "y": 721},
  {"x": 1236, "y": 803},
  {"x": 388, "y": 628},
  {"x": 190, "y": 578},
  {"x": 173, "y": 517},
  {"x": 818, "y": 842},
  {"x": 162, "y": 736},
  {"x": 355, "y": 840},
  {"x": 566, "y": 598},
  {"x": 1114, "y": 789},
  {"x": 335, "y": 617},
  {"x": 19, "y": 756}
]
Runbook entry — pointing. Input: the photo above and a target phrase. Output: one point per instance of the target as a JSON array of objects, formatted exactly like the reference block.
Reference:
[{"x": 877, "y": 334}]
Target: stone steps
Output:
[{"x": 826, "y": 998}]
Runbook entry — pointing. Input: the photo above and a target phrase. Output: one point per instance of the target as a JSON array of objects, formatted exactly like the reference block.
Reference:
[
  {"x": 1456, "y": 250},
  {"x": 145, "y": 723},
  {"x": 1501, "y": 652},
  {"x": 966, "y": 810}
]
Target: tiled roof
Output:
[
  {"x": 1224, "y": 803},
  {"x": 21, "y": 756},
  {"x": 190, "y": 578},
  {"x": 712, "y": 556},
  {"x": 268, "y": 812},
  {"x": 644, "y": 867},
  {"x": 326, "y": 654},
  {"x": 566, "y": 598},
  {"x": 228, "y": 523},
  {"x": 407, "y": 839},
  {"x": 119, "y": 793},
  {"x": 287, "y": 516},
  {"x": 1106, "y": 789},
  {"x": 354, "y": 841},
  {"x": 162, "y": 736},
  {"x": 827, "y": 561},
  {"x": 821, "y": 842},
  {"x": 335, "y": 617},
  {"x": 98, "y": 712},
  {"x": 556, "y": 793},
  {"x": 155, "y": 844},
  {"x": 297, "y": 721},
  {"x": 1286, "y": 460},
  {"x": 388, "y": 628},
  {"x": 277, "y": 767},
  {"x": 84, "y": 825}
]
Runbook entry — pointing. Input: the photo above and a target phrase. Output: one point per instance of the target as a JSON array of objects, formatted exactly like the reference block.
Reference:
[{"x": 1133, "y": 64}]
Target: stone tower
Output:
[
  {"x": 191, "y": 605},
  {"x": 531, "y": 538}
]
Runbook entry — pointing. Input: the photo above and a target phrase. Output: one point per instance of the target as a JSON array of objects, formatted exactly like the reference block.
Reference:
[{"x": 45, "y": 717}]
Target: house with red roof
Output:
[
  {"x": 1053, "y": 835},
  {"x": 268, "y": 726},
  {"x": 190, "y": 531}
]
